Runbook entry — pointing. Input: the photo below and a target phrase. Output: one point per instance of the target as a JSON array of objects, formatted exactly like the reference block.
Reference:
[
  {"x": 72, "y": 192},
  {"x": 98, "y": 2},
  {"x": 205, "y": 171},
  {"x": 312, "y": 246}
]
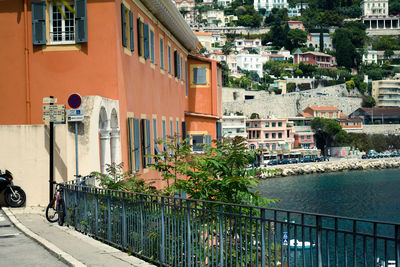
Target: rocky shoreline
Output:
[{"x": 329, "y": 166}]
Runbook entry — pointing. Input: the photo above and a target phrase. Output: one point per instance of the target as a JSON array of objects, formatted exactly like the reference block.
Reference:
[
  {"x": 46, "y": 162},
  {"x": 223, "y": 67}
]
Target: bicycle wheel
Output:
[
  {"x": 61, "y": 212},
  {"x": 51, "y": 212}
]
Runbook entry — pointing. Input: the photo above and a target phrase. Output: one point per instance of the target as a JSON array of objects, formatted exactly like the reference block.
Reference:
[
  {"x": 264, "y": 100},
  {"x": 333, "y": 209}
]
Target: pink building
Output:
[
  {"x": 271, "y": 135},
  {"x": 296, "y": 24},
  {"x": 304, "y": 140},
  {"x": 315, "y": 58}
]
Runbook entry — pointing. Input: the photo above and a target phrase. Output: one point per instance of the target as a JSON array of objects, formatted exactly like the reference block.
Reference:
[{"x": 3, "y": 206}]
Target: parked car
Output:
[
  {"x": 272, "y": 162},
  {"x": 305, "y": 160},
  {"x": 284, "y": 161},
  {"x": 293, "y": 161},
  {"x": 323, "y": 158}
]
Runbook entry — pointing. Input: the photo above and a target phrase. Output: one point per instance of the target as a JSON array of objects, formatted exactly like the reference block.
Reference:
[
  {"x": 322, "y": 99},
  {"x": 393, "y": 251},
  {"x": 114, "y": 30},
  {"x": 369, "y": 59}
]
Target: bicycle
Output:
[{"x": 55, "y": 211}]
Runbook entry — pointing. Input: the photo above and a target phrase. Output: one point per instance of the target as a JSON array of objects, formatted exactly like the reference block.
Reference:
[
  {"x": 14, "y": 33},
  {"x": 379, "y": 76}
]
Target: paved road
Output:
[{"x": 16, "y": 249}]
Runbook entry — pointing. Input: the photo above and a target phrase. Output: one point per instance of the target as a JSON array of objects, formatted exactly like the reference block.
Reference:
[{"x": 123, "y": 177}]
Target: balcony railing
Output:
[{"x": 184, "y": 232}]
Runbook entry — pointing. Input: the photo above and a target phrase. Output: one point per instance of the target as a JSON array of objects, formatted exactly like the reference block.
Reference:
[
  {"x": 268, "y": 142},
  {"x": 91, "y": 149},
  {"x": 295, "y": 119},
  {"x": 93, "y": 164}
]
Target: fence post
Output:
[
  {"x": 263, "y": 260},
  {"x": 319, "y": 241},
  {"x": 124, "y": 228},
  {"x": 96, "y": 212},
  {"x": 221, "y": 238},
  {"x": 84, "y": 189},
  {"x": 141, "y": 204},
  {"x": 188, "y": 236},
  {"x": 76, "y": 207},
  {"x": 108, "y": 216},
  {"x": 162, "y": 243}
]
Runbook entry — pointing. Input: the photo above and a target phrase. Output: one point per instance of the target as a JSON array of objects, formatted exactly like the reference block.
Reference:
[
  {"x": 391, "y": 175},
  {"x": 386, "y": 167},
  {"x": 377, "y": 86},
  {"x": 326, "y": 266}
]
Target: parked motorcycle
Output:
[{"x": 13, "y": 194}]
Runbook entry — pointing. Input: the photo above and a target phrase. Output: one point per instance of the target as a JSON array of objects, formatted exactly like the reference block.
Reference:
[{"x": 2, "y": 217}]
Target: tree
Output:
[
  {"x": 228, "y": 47},
  {"x": 307, "y": 69},
  {"x": 388, "y": 53},
  {"x": 296, "y": 38},
  {"x": 368, "y": 102},
  {"x": 321, "y": 42},
  {"x": 327, "y": 133},
  {"x": 254, "y": 116},
  {"x": 345, "y": 50}
]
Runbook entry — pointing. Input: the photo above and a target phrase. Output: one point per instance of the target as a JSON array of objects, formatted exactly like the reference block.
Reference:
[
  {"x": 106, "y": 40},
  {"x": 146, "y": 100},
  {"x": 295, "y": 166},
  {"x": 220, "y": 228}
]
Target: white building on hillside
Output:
[
  {"x": 224, "y": 2},
  {"x": 251, "y": 62},
  {"x": 231, "y": 61},
  {"x": 375, "y": 7},
  {"x": 233, "y": 126},
  {"x": 206, "y": 39},
  {"x": 270, "y": 4},
  {"x": 296, "y": 11},
  {"x": 247, "y": 44},
  {"x": 215, "y": 17},
  {"x": 370, "y": 56},
  {"x": 189, "y": 11}
]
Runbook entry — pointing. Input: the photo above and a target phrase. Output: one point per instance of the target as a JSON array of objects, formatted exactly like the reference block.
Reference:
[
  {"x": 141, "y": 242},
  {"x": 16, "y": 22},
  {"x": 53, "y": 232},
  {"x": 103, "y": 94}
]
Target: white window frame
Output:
[{"x": 51, "y": 8}]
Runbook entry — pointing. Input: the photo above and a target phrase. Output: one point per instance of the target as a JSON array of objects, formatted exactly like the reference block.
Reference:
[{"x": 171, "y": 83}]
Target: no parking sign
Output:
[{"x": 74, "y": 101}]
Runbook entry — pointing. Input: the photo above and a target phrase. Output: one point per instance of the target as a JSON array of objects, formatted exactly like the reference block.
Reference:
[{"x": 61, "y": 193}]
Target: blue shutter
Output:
[
  {"x": 139, "y": 35},
  {"x": 132, "y": 44},
  {"x": 184, "y": 136},
  {"x": 208, "y": 139},
  {"x": 171, "y": 127},
  {"x": 186, "y": 79},
  {"x": 130, "y": 143},
  {"x": 169, "y": 59},
  {"x": 148, "y": 141},
  {"x": 80, "y": 21},
  {"x": 152, "y": 45},
  {"x": 162, "y": 53},
  {"x": 123, "y": 25},
  {"x": 164, "y": 135},
  {"x": 178, "y": 65},
  {"x": 146, "y": 40},
  {"x": 136, "y": 129},
  {"x": 219, "y": 130},
  {"x": 38, "y": 23},
  {"x": 195, "y": 70},
  {"x": 155, "y": 130},
  {"x": 181, "y": 72}
]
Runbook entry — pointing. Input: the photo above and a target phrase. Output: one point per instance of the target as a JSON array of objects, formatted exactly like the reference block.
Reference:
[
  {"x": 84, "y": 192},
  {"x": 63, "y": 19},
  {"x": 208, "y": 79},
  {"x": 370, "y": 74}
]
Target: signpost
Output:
[
  {"x": 285, "y": 239},
  {"x": 75, "y": 115}
]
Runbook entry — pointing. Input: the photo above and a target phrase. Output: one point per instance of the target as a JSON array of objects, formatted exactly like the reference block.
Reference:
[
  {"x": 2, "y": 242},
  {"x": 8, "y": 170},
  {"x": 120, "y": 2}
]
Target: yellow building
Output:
[{"x": 387, "y": 92}]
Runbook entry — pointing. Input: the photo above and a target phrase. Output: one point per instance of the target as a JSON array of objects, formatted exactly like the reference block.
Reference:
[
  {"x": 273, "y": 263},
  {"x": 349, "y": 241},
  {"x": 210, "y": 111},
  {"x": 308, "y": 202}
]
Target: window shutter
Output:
[
  {"x": 181, "y": 72},
  {"x": 123, "y": 25},
  {"x": 136, "y": 129},
  {"x": 184, "y": 130},
  {"x": 152, "y": 46},
  {"x": 169, "y": 59},
  {"x": 162, "y": 53},
  {"x": 139, "y": 35},
  {"x": 155, "y": 130},
  {"x": 38, "y": 23},
  {"x": 175, "y": 64},
  {"x": 177, "y": 131},
  {"x": 131, "y": 31},
  {"x": 130, "y": 143},
  {"x": 80, "y": 21},
  {"x": 195, "y": 70},
  {"x": 186, "y": 79},
  {"x": 219, "y": 131},
  {"x": 164, "y": 135},
  {"x": 146, "y": 40},
  {"x": 148, "y": 141},
  {"x": 208, "y": 139},
  {"x": 201, "y": 79}
]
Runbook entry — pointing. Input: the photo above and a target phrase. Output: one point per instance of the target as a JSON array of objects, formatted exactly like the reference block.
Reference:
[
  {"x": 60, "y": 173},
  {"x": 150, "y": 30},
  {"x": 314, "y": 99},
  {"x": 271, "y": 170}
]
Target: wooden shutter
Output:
[
  {"x": 148, "y": 142},
  {"x": 201, "y": 76},
  {"x": 38, "y": 23},
  {"x": 152, "y": 46},
  {"x": 195, "y": 75},
  {"x": 136, "y": 129},
  {"x": 186, "y": 79},
  {"x": 131, "y": 40},
  {"x": 181, "y": 72},
  {"x": 169, "y": 59},
  {"x": 175, "y": 64},
  {"x": 146, "y": 40},
  {"x": 123, "y": 25},
  {"x": 164, "y": 135},
  {"x": 162, "y": 53},
  {"x": 131, "y": 145},
  {"x": 208, "y": 139},
  {"x": 80, "y": 21},
  {"x": 139, "y": 37},
  {"x": 219, "y": 130}
]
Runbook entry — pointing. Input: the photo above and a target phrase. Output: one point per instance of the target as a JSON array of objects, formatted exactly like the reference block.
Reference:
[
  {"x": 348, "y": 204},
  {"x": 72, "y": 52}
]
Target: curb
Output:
[{"x": 53, "y": 249}]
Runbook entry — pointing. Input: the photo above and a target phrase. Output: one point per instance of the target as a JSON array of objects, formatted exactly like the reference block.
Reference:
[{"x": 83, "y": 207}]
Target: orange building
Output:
[
  {"x": 328, "y": 112},
  {"x": 131, "y": 61}
]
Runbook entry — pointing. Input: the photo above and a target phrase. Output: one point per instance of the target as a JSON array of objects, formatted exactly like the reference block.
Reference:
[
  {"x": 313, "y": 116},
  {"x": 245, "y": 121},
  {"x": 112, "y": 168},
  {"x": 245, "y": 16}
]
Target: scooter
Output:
[{"x": 13, "y": 195}]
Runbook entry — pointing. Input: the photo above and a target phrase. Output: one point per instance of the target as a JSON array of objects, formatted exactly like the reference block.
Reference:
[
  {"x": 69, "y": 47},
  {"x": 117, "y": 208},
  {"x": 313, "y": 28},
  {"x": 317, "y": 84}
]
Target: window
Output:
[
  {"x": 279, "y": 135},
  {"x": 164, "y": 135},
  {"x": 161, "y": 53},
  {"x": 155, "y": 139},
  {"x": 181, "y": 72},
  {"x": 267, "y": 124},
  {"x": 176, "y": 64},
  {"x": 252, "y": 147},
  {"x": 199, "y": 76},
  {"x": 273, "y": 135},
  {"x": 279, "y": 124},
  {"x": 266, "y": 135},
  {"x": 145, "y": 142},
  {"x": 152, "y": 46},
  {"x": 198, "y": 142},
  {"x": 140, "y": 37},
  {"x": 169, "y": 60},
  {"x": 61, "y": 30},
  {"x": 274, "y": 124},
  {"x": 302, "y": 137},
  {"x": 309, "y": 137},
  {"x": 134, "y": 144}
]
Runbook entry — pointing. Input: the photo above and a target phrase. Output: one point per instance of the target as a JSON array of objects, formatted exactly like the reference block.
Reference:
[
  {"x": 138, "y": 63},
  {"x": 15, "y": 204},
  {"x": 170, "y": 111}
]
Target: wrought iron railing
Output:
[{"x": 185, "y": 232}]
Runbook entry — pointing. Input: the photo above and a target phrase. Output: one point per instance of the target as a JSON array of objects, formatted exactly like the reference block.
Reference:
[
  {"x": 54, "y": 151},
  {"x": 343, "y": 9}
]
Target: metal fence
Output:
[{"x": 184, "y": 232}]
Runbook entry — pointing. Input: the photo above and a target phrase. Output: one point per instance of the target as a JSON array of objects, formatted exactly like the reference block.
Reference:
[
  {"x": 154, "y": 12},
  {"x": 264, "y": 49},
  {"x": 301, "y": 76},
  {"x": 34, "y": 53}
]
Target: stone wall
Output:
[
  {"x": 289, "y": 105},
  {"x": 378, "y": 129}
]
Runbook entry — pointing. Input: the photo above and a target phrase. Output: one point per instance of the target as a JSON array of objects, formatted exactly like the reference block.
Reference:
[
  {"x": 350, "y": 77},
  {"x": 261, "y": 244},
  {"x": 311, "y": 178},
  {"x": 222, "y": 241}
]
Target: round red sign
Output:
[{"x": 74, "y": 101}]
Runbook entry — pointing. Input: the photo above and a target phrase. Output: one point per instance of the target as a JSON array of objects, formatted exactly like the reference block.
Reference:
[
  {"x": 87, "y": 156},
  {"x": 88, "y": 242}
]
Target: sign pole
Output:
[
  {"x": 76, "y": 151},
  {"x": 51, "y": 181}
]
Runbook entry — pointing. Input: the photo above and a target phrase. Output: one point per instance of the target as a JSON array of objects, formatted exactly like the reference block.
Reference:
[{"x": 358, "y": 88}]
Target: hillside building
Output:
[
  {"x": 187, "y": 6},
  {"x": 251, "y": 62},
  {"x": 375, "y": 7},
  {"x": 315, "y": 58},
  {"x": 328, "y": 112},
  {"x": 296, "y": 24},
  {"x": 270, "y": 4},
  {"x": 387, "y": 92},
  {"x": 313, "y": 39},
  {"x": 234, "y": 125}
]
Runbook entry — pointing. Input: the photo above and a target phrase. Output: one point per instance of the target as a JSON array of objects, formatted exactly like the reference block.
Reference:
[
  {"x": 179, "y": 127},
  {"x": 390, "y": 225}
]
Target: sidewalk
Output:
[{"x": 71, "y": 246}]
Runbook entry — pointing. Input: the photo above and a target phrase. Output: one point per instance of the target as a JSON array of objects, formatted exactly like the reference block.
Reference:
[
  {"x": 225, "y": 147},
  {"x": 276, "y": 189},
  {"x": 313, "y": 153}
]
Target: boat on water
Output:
[{"x": 296, "y": 243}]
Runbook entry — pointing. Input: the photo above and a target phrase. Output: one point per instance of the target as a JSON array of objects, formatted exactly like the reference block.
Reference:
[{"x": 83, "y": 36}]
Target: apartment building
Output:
[
  {"x": 241, "y": 44},
  {"x": 296, "y": 24},
  {"x": 313, "y": 39},
  {"x": 251, "y": 62},
  {"x": 234, "y": 125},
  {"x": 273, "y": 136},
  {"x": 270, "y": 4},
  {"x": 134, "y": 74},
  {"x": 387, "y": 92},
  {"x": 375, "y": 7},
  {"x": 187, "y": 10}
]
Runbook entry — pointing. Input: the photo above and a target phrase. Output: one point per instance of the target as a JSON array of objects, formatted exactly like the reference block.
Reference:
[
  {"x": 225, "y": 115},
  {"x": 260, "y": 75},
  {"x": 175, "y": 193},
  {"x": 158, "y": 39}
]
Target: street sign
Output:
[
  {"x": 285, "y": 239},
  {"x": 74, "y": 101},
  {"x": 75, "y": 118},
  {"x": 74, "y": 112},
  {"x": 53, "y": 107},
  {"x": 48, "y": 100},
  {"x": 52, "y": 118}
]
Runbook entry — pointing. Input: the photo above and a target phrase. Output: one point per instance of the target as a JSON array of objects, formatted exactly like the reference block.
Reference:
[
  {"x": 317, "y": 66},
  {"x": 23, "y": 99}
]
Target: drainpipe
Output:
[{"x": 27, "y": 79}]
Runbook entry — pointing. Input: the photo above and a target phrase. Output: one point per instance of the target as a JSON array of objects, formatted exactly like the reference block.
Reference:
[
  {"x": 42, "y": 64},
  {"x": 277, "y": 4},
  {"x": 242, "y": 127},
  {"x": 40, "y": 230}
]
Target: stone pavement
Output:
[{"x": 67, "y": 244}]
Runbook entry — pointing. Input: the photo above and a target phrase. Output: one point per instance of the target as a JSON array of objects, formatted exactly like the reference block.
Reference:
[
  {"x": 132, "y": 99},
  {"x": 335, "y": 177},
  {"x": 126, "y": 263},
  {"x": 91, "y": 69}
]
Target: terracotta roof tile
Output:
[{"x": 324, "y": 108}]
